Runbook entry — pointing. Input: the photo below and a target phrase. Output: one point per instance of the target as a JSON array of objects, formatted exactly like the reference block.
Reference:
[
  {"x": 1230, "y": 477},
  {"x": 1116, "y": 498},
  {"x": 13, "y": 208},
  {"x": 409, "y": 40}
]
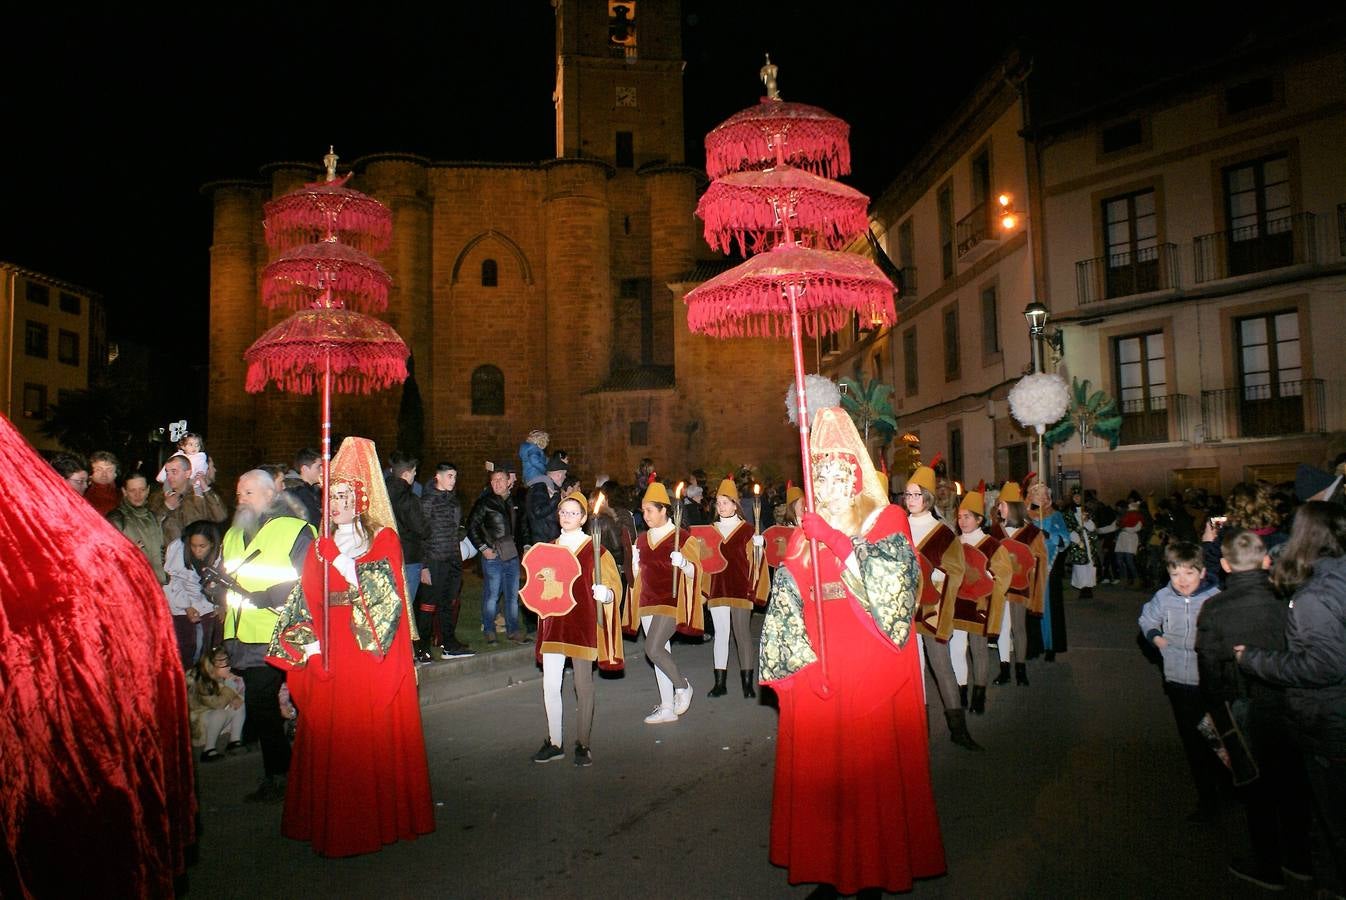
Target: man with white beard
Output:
[{"x": 263, "y": 554}]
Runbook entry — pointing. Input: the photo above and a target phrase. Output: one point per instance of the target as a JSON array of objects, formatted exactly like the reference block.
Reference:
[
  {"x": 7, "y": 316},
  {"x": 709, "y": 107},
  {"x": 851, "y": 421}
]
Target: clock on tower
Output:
[{"x": 626, "y": 96}]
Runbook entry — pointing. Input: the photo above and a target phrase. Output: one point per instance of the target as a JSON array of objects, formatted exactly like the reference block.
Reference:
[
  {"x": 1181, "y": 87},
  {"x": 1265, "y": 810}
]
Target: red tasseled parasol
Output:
[
  {"x": 753, "y": 298},
  {"x": 326, "y": 209},
  {"x": 809, "y": 137},
  {"x": 753, "y": 208},
  {"x": 300, "y": 277},
  {"x": 365, "y": 354}
]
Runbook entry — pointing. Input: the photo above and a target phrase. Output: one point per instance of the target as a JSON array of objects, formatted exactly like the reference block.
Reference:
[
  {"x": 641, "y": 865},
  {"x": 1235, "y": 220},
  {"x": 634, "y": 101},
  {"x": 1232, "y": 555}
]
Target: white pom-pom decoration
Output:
[
  {"x": 820, "y": 393},
  {"x": 1039, "y": 400}
]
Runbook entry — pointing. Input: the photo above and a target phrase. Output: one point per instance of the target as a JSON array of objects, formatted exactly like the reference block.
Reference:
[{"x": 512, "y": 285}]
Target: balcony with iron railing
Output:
[
  {"x": 1124, "y": 274},
  {"x": 1155, "y": 420},
  {"x": 1290, "y": 407},
  {"x": 975, "y": 234},
  {"x": 1287, "y": 241}
]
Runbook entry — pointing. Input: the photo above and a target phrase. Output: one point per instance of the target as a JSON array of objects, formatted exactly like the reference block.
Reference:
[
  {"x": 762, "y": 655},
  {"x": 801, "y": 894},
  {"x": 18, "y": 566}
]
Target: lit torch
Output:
[
  {"x": 756, "y": 522},
  {"x": 593, "y": 532}
]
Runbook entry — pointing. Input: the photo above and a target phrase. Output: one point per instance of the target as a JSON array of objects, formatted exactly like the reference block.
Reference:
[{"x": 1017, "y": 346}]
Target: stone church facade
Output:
[{"x": 532, "y": 295}]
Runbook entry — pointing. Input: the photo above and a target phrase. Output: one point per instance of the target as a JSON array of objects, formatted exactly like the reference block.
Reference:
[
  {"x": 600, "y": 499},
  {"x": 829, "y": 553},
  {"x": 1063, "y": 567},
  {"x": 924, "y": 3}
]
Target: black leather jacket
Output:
[{"x": 491, "y": 519}]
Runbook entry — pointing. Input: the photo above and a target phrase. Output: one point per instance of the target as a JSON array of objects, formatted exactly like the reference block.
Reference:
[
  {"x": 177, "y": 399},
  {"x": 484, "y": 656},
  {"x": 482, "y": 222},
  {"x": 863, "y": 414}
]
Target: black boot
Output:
[
  {"x": 746, "y": 677},
  {"x": 957, "y": 719},
  {"x": 719, "y": 690},
  {"x": 978, "y": 704},
  {"x": 1021, "y": 674},
  {"x": 962, "y": 696},
  {"x": 1004, "y": 676}
]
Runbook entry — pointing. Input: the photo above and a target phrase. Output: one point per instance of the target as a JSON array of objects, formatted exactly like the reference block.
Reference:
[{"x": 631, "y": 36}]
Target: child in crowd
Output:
[
  {"x": 533, "y": 456},
  {"x": 215, "y": 704},
  {"x": 1169, "y": 622},
  {"x": 191, "y": 447}
]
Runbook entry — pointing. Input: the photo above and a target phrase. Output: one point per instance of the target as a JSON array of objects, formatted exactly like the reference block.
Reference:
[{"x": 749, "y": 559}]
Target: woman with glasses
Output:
[{"x": 589, "y": 633}]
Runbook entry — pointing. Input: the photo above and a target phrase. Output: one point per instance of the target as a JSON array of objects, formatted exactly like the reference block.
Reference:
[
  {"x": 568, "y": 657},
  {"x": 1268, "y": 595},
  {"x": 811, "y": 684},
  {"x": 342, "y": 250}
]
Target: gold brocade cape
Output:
[
  {"x": 376, "y": 613},
  {"x": 887, "y": 589}
]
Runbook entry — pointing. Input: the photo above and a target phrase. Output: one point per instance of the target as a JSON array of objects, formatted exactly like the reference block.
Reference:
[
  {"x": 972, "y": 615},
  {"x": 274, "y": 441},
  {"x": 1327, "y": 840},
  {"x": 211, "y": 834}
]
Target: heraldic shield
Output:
[
  {"x": 551, "y": 572},
  {"x": 712, "y": 561},
  {"x": 977, "y": 582},
  {"x": 777, "y": 544},
  {"x": 1022, "y": 562}
]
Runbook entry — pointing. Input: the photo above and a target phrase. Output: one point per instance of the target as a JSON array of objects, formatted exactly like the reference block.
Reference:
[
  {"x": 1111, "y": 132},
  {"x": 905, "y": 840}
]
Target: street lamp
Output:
[{"x": 1036, "y": 314}]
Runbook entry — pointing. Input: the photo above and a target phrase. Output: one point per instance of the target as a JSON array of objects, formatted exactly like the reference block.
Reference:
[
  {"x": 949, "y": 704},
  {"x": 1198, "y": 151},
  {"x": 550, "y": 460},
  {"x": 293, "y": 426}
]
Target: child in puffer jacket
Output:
[
  {"x": 532, "y": 455},
  {"x": 1168, "y": 621}
]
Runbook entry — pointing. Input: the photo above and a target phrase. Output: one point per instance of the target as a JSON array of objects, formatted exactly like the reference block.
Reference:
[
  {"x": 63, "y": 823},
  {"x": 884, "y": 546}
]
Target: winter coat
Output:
[
  {"x": 541, "y": 503},
  {"x": 491, "y": 520},
  {"x": 410, "y": 520},
  {"x": 1173, "y": 617},
  {"x": 1245, "y": 612},
  {"x": 443, "y": 516},
  {"x": 141, "y": 527},
  {"x": 1313, "y": 664}
]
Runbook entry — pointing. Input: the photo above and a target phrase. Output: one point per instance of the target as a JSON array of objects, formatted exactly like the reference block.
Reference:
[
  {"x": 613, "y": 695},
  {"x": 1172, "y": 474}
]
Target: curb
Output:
[{"x": 453, "y": 679}]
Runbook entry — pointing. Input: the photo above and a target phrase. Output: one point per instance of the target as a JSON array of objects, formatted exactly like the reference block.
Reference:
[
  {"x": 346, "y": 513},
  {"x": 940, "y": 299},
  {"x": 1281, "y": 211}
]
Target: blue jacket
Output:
[
  {"x": 1173, "y": 617},
  {"x": 534, "y": 461}
]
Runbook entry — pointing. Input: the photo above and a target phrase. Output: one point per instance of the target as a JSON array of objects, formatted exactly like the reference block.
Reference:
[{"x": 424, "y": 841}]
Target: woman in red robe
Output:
[
  {"x": 852, "y": 805},
  {"x": 359, "y": 777}
]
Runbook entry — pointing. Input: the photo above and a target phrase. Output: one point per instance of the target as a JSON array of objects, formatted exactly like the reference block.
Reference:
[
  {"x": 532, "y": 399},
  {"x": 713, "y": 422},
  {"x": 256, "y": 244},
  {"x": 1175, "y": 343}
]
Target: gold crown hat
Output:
[
  {"x": 793, "y": 494},
  {"x": 579, "y": 498},
  {"x": 923, "y": 477},
  {"x": 727, "y": 488},
  {"x": 973, "y": 503},
  {"x": 656, "y": 493},
  {"x": 1011, "y": 492},
  {"x": 357, "y": 463},
  {"x": 834, "y": 437},
  {"x": 883, "y": 481}
]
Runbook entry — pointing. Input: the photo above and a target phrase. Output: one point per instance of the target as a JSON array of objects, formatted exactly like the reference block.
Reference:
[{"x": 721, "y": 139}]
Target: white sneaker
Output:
[
  {"x": 682, "y": 699},
  {"x": 661, "y": 715}
]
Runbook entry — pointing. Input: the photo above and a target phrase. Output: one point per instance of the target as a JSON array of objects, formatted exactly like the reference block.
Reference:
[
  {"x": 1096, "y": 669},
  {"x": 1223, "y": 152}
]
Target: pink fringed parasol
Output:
[
  {"x": 299, "y": 278},
  {"x": 326, "y": 209},
  {"x": 805, "y": 136},
  {"x": 754, "y": 208},
  {"x": 364, "y": 354},
  {"x": 753, "y": 299}
]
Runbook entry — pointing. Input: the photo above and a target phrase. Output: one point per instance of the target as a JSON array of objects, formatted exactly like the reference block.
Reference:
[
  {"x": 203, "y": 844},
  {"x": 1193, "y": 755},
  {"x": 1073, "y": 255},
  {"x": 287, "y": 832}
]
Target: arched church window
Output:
[
  {"x": 489, "y": 273},
  {"x": 488, "y": 391}
]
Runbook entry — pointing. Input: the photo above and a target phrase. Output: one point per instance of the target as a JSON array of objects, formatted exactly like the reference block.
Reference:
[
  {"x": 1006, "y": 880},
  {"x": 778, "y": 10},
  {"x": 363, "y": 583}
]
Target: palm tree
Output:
[{"x": 869, "y": 408}]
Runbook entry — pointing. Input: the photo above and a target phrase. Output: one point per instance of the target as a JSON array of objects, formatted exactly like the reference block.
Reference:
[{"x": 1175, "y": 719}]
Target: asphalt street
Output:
[{"x": 1082, "y": 791}]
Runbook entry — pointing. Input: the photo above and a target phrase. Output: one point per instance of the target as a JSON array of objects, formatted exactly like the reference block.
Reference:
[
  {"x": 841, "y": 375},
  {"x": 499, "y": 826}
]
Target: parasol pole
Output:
[
  {"x": 326, "y": 492},
  {"x": 824, "y": 689}
]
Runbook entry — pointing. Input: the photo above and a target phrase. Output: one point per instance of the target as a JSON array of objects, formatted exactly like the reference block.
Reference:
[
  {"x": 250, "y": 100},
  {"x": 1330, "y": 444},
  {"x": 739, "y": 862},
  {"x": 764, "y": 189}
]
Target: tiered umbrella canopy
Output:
[{"x": 771, "y": 167}]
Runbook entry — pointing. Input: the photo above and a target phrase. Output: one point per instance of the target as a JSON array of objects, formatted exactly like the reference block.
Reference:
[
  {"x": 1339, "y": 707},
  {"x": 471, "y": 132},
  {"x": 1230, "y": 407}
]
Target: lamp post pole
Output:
[{"x": 1036, "y": 314}]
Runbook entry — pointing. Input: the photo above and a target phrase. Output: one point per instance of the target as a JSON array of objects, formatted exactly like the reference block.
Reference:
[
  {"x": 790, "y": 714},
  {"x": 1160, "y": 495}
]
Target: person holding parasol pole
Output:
[{"x": 665, "y": 598}]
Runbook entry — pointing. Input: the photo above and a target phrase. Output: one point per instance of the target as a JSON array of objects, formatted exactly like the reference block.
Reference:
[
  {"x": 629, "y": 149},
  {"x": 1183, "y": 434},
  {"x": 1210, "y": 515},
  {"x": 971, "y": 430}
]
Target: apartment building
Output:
[{"x": 63, "y": 340}]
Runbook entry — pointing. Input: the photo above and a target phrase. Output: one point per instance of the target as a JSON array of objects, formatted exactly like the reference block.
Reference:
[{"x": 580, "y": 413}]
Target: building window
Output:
[
  {"x": 35, "y": 340},
  {"x": 906, "y": 255},
  {"x": 956, "y": 452},
  {"x": 69, "y": 303},
  {"x": 490, "y": 273},
  {"x": 1131, "y": 241},
  {"x": 1257, "y": 204},
  {"x": 952, "y": 364},
  {"x": 488, "y": 391},
  {"x": 990, "y": 322},
  {"x": 37, "y": 293},
  {"x": 1142, "y": 387},
  {"x": 981, "y": 177},
  {"x": 34, "y": 401},
  {"x": 829, "y": 343},
  {"x": 1122, "y": 135},
  {"x": 944, "y": 201},
  {"x": 633, "y": 324},
  {"x": 1270, "y": 374},
  {"x": 910, "y": 370},
  {"x": 626, "y": 150},
  {"x": 640, "y": 434},
  {"x": 1249, "y": 95},
  {"x": 67, "y": 347},
  {"x": 622, "y": 28}
]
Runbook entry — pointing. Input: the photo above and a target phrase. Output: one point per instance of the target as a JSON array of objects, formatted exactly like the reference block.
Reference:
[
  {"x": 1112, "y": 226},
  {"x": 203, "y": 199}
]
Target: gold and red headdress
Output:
[
  {"x": 834, "y": 438},
  {"x": 357, "y": 464}
]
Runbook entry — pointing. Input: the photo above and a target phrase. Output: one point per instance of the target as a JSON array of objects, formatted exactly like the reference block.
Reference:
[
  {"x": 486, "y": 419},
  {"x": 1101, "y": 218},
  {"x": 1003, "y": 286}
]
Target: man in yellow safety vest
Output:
[{"x": 263, "y": 556}]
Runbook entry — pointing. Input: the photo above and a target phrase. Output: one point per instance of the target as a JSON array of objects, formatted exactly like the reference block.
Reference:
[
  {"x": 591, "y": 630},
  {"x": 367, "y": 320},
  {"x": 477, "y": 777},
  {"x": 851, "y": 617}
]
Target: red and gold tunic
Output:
[
  {"x": 653, "y": 593},
  {"x": 985, "y": 616},
  {"x": 591, "y": 629},
  {"x": 1026, "y": 587},
  {"x": 944, "y": 552},
  {"x": 741, "y": 583}
]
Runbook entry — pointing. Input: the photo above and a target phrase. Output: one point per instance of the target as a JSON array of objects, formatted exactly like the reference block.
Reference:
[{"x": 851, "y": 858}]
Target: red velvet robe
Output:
[
  {"x": 852, "y": 804},
  {"x": 576, "y": 634},
  {"x": 359, "y": 778}
]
